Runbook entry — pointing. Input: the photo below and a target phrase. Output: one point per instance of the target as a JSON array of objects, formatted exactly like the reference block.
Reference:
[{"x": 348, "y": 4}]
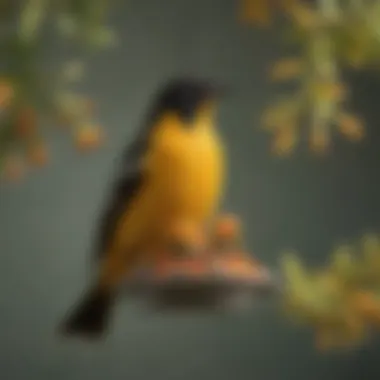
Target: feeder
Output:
[{"x": 195, "y": 273}]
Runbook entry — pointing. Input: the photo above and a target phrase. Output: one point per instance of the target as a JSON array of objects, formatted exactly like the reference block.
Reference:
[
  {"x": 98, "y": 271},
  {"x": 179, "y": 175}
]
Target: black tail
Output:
[{"x": 91, "y": 318}]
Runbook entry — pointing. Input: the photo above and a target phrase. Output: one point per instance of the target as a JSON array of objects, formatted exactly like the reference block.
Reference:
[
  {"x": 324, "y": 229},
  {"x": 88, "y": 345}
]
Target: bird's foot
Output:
[
  {"x": 226, "y": 234},
  {"x": 185, "y": 239}
]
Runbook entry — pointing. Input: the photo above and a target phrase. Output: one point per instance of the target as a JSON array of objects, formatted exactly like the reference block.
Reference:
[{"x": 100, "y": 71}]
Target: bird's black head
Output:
[{"x": 184, "y": 96}]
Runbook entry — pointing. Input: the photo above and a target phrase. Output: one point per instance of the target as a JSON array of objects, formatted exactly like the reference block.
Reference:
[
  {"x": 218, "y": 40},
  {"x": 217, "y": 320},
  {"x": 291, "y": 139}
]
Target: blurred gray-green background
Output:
[{"x": 303, "y": 203}]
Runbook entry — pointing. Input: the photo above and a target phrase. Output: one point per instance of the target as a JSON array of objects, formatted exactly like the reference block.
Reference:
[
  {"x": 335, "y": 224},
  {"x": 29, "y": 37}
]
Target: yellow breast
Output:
[{"x": 187, "y": 171}]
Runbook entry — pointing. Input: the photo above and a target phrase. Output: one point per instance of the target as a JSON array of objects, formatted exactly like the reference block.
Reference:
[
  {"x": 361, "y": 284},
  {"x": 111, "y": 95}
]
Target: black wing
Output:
[
  {"x": 124, "y": 191},
  {"x": 129, "y": 184}
]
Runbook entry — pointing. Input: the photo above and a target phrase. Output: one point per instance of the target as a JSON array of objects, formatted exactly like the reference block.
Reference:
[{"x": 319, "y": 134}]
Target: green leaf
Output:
[
  {"x": 31, "y": 19},
  {"x": 73, "y": 71},
  {"x": 343, "y": 263},
  {"x": 67, "y": 25},
  {"x": 105, "y": 37}
]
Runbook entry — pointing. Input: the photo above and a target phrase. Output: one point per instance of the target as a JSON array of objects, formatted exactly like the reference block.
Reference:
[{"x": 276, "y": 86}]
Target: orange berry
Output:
[
  {"x": 366, "y": 303},
  {"x": 319, "y": 141},
  {"x": 38, "y": 155},
  {"x": 6, "y": 93},
  {"x": 228, "y": 226},
  {"x": 351, "y": 127},
  {"x": 256, "y": 12},
  {"x": 88, "y": 138},
  {"x": 284, "y": 141},
  {"x": 26, "y": 122},
  {"x": 286, "y": 69},
  {"x": 339, "y": 92}
]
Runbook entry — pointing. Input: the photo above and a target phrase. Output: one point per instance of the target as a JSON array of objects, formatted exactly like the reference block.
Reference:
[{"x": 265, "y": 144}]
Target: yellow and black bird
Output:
[{"x": 177, "y": 174}]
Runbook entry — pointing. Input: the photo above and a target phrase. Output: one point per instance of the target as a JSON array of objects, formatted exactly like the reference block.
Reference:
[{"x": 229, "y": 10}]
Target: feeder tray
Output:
[{"x": 204, "y": 282}]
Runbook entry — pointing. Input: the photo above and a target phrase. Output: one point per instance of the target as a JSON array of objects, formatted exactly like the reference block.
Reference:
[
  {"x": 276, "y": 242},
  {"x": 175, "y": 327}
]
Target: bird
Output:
[{"x": 173, "y": 171}]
